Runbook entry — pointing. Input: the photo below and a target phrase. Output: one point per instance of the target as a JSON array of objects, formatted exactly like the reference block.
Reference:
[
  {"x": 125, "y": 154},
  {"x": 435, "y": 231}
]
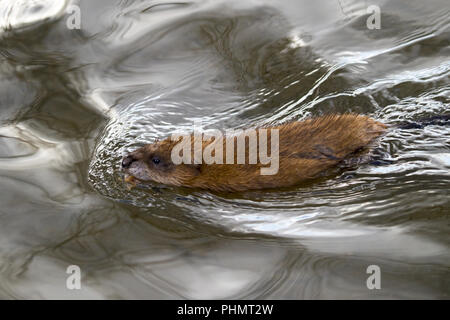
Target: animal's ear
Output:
[{"x": 195, "y": 169}]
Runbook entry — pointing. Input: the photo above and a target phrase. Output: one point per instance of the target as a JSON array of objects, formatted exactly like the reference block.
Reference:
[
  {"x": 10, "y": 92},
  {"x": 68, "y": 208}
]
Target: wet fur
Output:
[{"x": 306, "y": 149}]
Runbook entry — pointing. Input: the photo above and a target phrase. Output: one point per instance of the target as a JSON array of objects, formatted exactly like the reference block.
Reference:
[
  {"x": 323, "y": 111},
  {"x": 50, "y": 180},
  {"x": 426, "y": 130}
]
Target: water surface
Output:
[{"x": 73, "y": 101}]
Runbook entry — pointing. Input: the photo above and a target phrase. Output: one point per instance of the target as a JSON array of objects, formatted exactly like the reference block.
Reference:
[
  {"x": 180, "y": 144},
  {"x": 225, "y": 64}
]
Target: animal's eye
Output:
[{"x": 156, "y": 160}]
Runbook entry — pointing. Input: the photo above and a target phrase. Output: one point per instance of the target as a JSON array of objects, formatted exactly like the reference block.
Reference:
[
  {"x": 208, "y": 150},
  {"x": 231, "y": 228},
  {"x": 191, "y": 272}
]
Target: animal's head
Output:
[{"x": 153, "y": 162}]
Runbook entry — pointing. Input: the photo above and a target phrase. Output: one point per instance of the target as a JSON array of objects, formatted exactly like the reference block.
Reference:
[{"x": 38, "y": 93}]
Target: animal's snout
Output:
[{"x": 127, "y": 161}]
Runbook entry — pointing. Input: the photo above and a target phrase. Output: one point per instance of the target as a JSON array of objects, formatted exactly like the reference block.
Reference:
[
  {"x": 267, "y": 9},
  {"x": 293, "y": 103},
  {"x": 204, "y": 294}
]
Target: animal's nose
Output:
[{"x": 126, "y": 162}]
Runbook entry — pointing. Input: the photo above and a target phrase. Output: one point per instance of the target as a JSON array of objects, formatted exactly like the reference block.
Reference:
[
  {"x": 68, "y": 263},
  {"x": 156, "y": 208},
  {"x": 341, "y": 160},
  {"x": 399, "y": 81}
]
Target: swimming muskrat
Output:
[{"x": 305, "y": 150}]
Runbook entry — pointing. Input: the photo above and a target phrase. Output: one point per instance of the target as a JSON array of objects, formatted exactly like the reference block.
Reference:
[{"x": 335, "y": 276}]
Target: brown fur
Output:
[{"x": 306, "y": 149}]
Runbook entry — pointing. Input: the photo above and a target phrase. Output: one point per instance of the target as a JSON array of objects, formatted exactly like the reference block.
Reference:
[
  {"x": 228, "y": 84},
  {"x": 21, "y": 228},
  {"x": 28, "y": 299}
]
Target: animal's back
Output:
[{"x": 306, "y": 148}]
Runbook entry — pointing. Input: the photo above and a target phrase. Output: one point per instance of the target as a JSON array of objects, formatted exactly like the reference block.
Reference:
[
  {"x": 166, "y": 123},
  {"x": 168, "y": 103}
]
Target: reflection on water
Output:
[{"x": 74, "y": 101}]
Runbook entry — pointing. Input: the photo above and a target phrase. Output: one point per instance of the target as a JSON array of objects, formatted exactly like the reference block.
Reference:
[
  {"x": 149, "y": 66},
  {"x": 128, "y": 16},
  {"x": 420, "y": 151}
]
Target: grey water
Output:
[{"x": 75, "y": 98}]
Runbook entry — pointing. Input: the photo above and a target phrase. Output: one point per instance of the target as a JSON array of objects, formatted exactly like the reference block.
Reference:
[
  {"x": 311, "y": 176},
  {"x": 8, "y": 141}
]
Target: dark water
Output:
[{"x": 73, "y": 101}]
